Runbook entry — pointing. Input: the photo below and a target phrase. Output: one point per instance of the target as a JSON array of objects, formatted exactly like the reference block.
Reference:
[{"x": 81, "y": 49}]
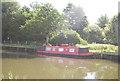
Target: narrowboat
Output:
[{"x": 64, "y": 50}]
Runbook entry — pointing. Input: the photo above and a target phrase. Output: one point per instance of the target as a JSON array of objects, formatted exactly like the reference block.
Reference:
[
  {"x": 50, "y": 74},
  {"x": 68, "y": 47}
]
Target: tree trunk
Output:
[{"x": 47, "y": 39}]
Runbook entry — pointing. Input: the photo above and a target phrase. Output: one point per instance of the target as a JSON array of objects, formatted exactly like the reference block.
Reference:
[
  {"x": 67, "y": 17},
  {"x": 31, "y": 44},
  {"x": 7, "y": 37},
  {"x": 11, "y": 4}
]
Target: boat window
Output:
[
  {"x": 83, "y": 50},
  {"x": 60, "y": 49},
  {"x": 53, "y": 49},
  {"x": 48, "y": 49},
  {"x": 71, "y": 50}
]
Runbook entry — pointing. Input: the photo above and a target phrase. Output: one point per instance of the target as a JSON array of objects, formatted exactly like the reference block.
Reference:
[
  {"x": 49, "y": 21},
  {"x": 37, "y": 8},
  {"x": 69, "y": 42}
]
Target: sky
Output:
[{"x": 93, "y": 8}]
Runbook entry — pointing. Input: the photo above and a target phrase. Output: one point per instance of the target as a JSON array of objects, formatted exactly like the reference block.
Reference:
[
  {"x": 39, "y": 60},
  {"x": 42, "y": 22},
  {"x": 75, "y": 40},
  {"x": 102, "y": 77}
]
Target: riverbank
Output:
[
  {"x": 32, "y": 50},
  {"x": 94, "y": 47}
]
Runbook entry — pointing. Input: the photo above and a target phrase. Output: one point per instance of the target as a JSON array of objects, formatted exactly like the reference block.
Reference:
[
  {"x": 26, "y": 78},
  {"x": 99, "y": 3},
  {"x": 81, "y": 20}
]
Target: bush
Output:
[
  {"x": 93, "y": 34},
  {"x": 103, "y": 47},
  {"x": 67, "y": 37},
  {"x": 100, "y": 47},
  {"x": 46, "y": 44}
]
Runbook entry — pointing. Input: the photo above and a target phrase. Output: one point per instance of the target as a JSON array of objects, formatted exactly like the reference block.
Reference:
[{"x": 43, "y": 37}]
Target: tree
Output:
[
  {"x": 25, "y": 11},
  {"x": 76, "y": 18},
  {"x": 9, "y": 10},
  {"x": 93, "y": 34},
  {"x": 45, "y": 22},
  {"x": 13, "y": 17},
  {"x": 111, "y": 31},
  {"x": 102, "y": 21},
  {"x": 67, "y": 37},
  {"x": 119, "y": 29}
]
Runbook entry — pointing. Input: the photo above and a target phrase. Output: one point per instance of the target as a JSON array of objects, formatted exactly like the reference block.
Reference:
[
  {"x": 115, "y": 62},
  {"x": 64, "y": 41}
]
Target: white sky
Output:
[{"x": 93, "y": 8}]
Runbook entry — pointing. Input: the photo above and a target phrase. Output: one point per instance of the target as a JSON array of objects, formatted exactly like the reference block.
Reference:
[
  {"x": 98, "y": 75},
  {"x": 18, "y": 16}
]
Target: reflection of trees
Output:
[
  {"x": 58, "y": 71},
  {"x": 104, "y": 69},
  {"x": 107, "y": 72},
  {"x": 65, "y": 69},
  {"x": 69, "y": 68}
]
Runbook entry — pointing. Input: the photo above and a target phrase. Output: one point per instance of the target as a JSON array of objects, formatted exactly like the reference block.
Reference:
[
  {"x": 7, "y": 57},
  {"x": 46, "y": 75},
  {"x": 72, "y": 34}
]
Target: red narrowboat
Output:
[{"x": 64, "y": 50}]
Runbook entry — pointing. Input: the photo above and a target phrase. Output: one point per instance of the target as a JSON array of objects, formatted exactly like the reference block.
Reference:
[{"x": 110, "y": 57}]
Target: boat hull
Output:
[{"x": 64, "y": 55}]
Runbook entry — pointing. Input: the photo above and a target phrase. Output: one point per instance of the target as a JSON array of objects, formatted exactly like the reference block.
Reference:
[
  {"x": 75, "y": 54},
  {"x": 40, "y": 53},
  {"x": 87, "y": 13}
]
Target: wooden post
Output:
[
  {"x": 18, "y": 42},
  {"x": 47, "y": 38},
  {"x": 26, "y": 42}
]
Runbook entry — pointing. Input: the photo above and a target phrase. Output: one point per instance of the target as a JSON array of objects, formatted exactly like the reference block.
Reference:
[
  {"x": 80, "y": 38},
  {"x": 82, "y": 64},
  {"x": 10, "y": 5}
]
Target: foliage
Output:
[
  {"x": 25, "y": 11},
  {"x": 119, "y": 28},
  {"x": 46, "y": 21},
  {"x": 76, "y": 18},
  {"x": 111, "y": 31},
  {"x": 100, "y": 47},
  {"x": 102, "y": 21},
  {"x": 39, "y": 22},
  {"x": 67, "y": 37},
  {"x": 93, "y": 34},
  {"x": 11, "y": 19}
]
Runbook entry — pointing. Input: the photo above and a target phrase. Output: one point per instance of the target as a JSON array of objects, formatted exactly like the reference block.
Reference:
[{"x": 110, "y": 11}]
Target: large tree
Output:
[
  {"x": 111, "y": 30},
  {"x": 12, "y": 19},
  {"x": 76, "y": 18},
  {"x": 119, "y": 28},
  {"x": 45, "y": 22},
  {"x": 9, "y": 10},
  {"x": 102, "y": 21}
]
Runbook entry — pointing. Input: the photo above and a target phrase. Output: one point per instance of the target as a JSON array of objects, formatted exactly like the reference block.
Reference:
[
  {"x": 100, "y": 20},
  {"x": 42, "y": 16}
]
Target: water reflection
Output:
[
  {"x": 49, "y": 67},
  {"x": 86, "y": 68},
  {"x": 90, "y": 75}
]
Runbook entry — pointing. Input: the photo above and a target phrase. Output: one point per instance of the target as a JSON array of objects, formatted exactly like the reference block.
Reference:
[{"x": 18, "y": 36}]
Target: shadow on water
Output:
[
  {"x": 17, "y": 55},
  {"x": 4, "y": 55}
]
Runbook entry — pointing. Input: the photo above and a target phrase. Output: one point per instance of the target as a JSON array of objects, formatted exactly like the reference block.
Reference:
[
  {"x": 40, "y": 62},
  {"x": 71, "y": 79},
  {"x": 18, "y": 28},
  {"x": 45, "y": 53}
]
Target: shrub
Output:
[
  {"x": 93, "y": 34},
  {"x": 100, "y": 47},
  {"x": 67, "y": 37}
]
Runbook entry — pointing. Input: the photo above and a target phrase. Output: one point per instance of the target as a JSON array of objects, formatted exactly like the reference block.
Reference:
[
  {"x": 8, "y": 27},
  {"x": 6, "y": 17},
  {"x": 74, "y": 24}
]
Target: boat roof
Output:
[
  {"x": 83, "y": 47},
  {"x": 68, "y": 46}
]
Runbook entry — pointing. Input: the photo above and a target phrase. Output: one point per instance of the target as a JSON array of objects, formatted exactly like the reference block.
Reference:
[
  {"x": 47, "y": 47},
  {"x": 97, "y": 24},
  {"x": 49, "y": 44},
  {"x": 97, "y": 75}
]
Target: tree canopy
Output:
[
  {"x": 102, "y": 21},
  {"x": 76, "y": 18},
  {"x": 111, "y": 30},
  {"x": 10, "y": 19},
  {"x": 45, "y": 22}
]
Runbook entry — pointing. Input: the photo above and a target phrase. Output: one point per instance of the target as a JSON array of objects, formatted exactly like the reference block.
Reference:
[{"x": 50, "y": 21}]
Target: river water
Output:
[{"x": 49, "y": 67}]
